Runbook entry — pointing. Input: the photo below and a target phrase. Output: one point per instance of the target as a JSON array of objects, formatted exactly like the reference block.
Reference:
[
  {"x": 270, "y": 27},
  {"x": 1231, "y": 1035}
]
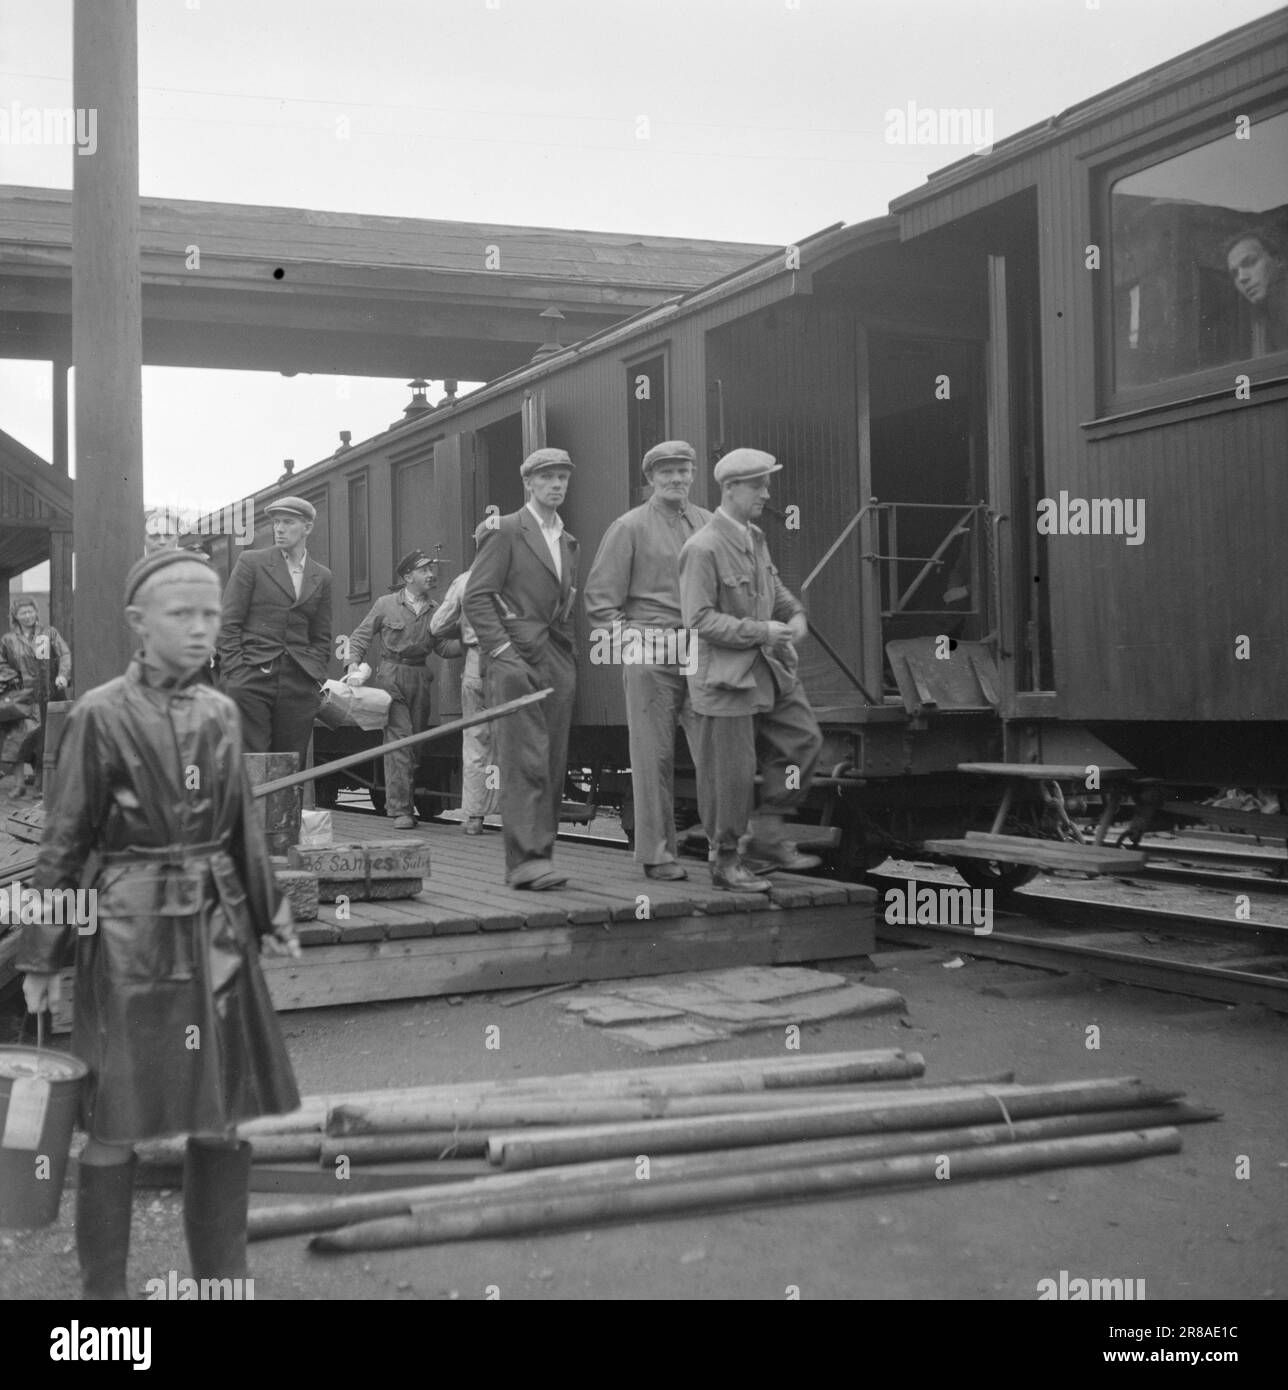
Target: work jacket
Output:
[
  {"x": 263, "y": 619},
  {"x": 151, "y": 811},
  {"x": 729, "y": 593},
  {"x": 513, "y": 593}
]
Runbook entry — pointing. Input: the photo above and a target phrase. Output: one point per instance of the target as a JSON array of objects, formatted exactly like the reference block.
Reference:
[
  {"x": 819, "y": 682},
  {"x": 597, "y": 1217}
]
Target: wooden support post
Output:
[
  {"x": 107, "y": 342},
  {"x": 280, "y": 809},
  {"x": 1003, "y": 810},
  {"x": 56, "y": 713},
  {"x": 61, "y": 597},
  {"x": 59, "y": 368}
]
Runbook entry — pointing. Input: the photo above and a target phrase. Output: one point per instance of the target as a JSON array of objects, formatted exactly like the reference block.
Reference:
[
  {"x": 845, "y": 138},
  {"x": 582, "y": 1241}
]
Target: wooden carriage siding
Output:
[
  {"x": 430, "y": 480},
  {"x": 1145, "y": 632},
  {"x": 1138, "y": 633}
]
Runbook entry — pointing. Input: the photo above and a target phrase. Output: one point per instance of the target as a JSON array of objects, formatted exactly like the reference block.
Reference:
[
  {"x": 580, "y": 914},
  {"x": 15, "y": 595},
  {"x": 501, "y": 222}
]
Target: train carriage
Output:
[{"x": 1035, "y": 435}]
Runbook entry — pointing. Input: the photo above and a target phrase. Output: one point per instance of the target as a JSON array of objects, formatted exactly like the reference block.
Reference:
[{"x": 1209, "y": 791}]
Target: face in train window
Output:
[{"x": 1200, "y": 257}]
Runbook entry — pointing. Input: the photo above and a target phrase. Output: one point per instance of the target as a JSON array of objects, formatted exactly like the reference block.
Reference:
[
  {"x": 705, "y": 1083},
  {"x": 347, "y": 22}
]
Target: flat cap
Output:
[
  {"x": 669, "y": 451},
  {"x": 742, "y": 465},
  {"x": 143, "y": 570},
  {"x": 541, "y": 459},
  {"x": 413, "y": 560},
  {"x": 292, "y": 506}
]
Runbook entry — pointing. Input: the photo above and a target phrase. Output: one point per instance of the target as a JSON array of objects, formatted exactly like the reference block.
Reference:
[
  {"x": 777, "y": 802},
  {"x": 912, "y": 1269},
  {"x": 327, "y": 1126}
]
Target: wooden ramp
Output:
[{"x": 468, "y": 932}]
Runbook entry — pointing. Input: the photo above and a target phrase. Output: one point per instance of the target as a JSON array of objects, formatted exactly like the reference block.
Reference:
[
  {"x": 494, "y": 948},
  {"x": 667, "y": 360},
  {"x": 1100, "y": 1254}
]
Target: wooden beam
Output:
[{"x": 107, "y": 342}]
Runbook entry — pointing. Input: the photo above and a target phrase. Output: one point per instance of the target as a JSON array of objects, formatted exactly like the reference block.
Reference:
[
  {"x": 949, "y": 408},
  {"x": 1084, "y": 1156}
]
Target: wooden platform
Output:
[{"x": 468, "y": 932}]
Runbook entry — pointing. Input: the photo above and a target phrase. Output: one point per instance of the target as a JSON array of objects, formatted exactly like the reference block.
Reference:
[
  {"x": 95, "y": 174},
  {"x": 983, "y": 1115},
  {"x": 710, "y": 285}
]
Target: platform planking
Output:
[{"x": 468, "y": 932}]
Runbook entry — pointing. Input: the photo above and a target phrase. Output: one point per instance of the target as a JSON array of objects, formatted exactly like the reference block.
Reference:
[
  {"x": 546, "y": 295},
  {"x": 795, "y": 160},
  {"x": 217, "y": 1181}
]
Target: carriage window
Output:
[
  {"x": 1200, "y": 257},
  {"x": 645, "y": 407},
  {"x": 359, "y": 572}
]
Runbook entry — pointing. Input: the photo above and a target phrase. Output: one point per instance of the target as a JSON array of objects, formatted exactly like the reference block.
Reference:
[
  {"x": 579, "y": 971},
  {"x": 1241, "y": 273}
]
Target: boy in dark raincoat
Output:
[{"x": 152, "y": 810}]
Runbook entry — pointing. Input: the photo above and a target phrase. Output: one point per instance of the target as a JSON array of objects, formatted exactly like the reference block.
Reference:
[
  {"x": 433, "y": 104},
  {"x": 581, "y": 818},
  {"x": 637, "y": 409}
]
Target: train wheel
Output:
[{"x": 991, "y": 873}]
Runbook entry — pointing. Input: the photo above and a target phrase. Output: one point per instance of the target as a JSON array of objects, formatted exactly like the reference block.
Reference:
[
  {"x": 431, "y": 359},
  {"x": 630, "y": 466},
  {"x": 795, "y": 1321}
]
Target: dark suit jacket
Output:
[
  {"x": 263, "y": 619},
  {"x": 513, "y": 594}
]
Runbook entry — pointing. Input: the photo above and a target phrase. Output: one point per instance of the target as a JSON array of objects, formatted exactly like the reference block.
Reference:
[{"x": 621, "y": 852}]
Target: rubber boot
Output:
[
  {"x": 104, "y": 1206},
  {"x": 216, "y": 1196}
]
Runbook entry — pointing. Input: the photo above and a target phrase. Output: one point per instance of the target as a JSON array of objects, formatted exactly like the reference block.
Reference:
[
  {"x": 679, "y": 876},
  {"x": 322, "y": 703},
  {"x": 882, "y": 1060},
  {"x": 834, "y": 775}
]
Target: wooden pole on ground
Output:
[
  {"x": 480, "y": 1112},
  {"x": 503, "y": 1217},
  {"x": 107, "y": 332},
  {"x": 685, "y": 1078},
  {"x": 904, "y": 1110},
  {"x": 268, "y": 1222}
]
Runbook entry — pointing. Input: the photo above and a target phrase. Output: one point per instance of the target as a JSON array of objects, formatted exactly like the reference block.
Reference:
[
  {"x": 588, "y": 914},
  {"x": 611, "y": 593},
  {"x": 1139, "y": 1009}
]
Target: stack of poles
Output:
[{"x": 573, "y": 1150}]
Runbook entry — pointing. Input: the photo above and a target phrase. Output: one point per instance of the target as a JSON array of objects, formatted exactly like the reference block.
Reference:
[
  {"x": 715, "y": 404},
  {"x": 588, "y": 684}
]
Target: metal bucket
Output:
[{"x": 39, "y": 1101}]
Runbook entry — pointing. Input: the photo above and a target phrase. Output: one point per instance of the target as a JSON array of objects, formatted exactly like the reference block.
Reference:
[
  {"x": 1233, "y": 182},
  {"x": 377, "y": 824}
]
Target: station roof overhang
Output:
[
  {"x": 34, "y": 500},
  {"x": 292, "y": 290}
]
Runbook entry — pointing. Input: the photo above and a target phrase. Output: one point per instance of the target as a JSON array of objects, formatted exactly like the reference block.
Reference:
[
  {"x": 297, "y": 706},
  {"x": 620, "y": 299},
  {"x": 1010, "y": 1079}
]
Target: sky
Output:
[{"x": 745, "y": 120}]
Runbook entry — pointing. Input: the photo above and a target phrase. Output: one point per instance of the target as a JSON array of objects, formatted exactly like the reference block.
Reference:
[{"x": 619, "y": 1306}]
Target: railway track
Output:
[{"x": 1206, "y": 957}]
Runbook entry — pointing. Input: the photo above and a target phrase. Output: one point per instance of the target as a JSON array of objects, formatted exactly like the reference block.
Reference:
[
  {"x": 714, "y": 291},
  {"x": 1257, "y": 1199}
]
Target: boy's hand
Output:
[
  {"x": 41, "y": 991},
  {"x": 283, "y": 941}
]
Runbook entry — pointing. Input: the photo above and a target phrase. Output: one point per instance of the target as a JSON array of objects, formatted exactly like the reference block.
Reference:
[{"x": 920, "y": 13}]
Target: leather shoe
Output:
[
  {"x": 552, "y": 878},
  {"x": 474, "y": 826},
  {"x": 738, "y": 878},
  {"x": 670, "y": 872},
  {"x": 405, "y": 823},
  {"x": 782, "y": 855}
]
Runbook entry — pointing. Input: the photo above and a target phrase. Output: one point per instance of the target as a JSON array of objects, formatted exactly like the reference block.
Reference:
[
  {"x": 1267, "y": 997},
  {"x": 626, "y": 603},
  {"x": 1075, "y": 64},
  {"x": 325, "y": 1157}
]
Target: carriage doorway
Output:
[{"x": 928, "y": 478}]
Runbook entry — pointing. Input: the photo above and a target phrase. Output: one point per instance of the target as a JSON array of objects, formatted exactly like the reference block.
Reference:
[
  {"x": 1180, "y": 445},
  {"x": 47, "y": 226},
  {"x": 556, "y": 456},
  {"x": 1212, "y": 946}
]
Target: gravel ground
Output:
[{"x": 1209, "y": 1222}]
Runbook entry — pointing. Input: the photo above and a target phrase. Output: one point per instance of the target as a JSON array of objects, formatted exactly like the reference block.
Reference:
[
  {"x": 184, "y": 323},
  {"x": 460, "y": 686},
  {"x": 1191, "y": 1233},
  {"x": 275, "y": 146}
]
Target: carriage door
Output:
[{"x": 1017, "y": 555}]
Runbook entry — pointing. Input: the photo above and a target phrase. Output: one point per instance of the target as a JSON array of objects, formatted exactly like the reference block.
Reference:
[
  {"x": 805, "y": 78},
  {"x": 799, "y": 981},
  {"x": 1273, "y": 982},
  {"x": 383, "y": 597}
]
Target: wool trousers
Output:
[
  {"x": 724, "y": 751},
  {"x": 532, "y": 749},
  {"x": 657, "y": 702}
]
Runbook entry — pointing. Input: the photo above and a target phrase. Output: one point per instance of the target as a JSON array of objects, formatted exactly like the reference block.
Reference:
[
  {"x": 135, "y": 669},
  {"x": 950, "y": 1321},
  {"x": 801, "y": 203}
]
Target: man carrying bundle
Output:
[
  {"x": 401, "y": 619},
  {"x": 152, "y": 812}
]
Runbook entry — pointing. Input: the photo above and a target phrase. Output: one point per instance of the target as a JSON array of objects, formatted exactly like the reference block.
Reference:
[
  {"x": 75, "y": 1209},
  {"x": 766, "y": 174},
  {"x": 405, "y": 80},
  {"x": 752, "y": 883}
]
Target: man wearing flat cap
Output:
[
  {"x": 519, "y": 600},
  {"x": 276, "y": 637},
  {"x": 745, "y": 685},
  {"x": 401, "y": 620},
  {"x": 633, "y": 593}
]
